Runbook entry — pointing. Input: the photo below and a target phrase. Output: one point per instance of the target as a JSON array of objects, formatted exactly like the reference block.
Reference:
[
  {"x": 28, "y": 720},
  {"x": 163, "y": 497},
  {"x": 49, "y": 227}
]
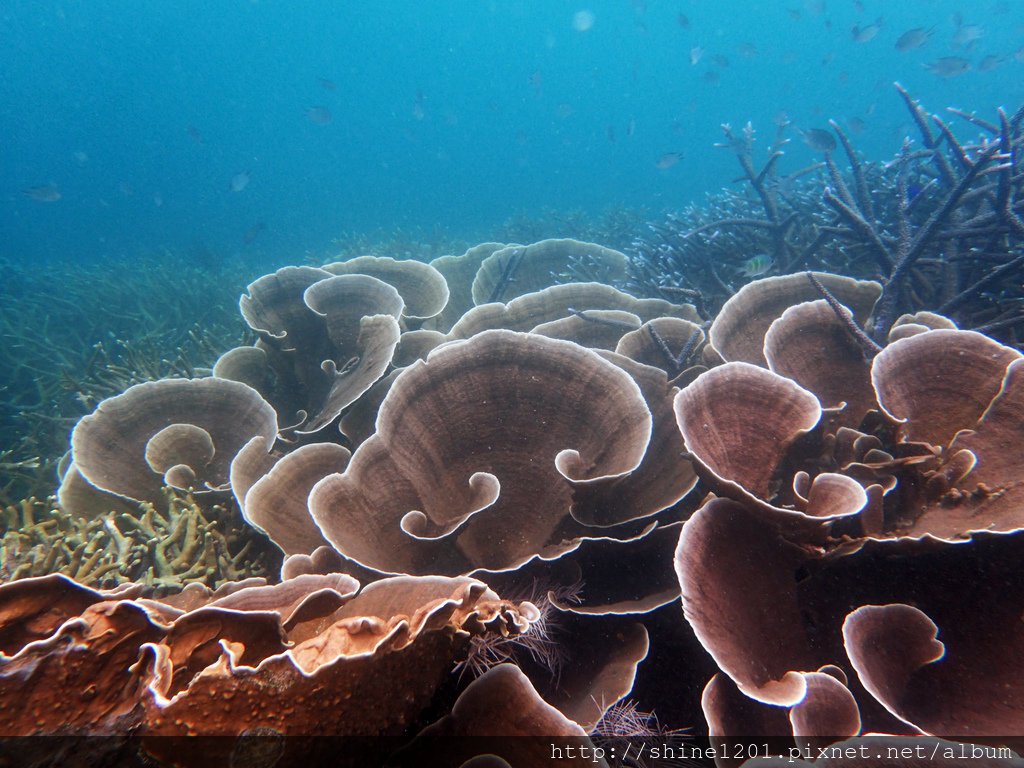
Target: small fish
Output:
[
  {"x": 610, "y": 133},
  {"x": 81, "y": 157},
  {"x": 868, "y": 33},
  {"x": 948, "y": 66},
  {"x": 195, "y": 135},
  {"x": 253, "y": 232},
  {"x": 683, "y": 20},
  {"x": 319, "y": 115},
  {"x": 913, "y": 39},
  {"x": 720, "y": 61},
  {"x": 746, "y": 50},
  {"x": 695, "y": 55},
  {"x": 158, "y": 199},
  {"x": 856, "y": 124},
  {"x": 240, "y": 181},
  {"x": 712, "y": 77},
  {"x": 327, "y": 85},
  {"x": 45, "y": 193},
  {"x": 819, "y": 139},
  {"x": 631, "y": 127},
  {"x": 667, "y": 160},
  {"x": 583, "y": 21},
  {"x": 125, "y": 188},
  {"x": 536, "y": 81},
  {"x": 419, "y": 110},
  {"x": 966, "y": 34},
  {"x": 757, "y": 265},
  {"x": 990, "y": 62}
]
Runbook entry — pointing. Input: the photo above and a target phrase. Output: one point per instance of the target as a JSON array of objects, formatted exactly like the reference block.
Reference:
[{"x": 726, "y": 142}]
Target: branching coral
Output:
[
  {"x": 178, "y": 544},
  {"x": 940, "y": 225}
]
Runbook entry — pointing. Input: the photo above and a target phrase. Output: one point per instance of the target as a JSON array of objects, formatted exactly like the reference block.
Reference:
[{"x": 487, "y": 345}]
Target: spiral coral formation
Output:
[{"x": 547, "y": 434}]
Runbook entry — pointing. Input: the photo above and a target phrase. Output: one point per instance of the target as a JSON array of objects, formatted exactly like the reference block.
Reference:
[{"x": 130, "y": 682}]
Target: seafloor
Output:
[{"x": 750, "y": 472}]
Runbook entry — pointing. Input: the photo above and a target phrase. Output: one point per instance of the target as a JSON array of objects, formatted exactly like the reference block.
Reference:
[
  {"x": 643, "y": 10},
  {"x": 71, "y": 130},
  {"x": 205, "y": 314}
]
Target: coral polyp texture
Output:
[{"x": 540, "y": 489}]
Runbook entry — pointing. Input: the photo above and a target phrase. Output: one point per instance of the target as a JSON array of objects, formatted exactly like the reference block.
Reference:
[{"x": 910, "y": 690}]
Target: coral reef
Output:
[
  {"x": 115, "y": 324},
  {"x": 940, "y": 225},
  {"x": 166, "y": 548},
  {"x": 822, "y": 462}
]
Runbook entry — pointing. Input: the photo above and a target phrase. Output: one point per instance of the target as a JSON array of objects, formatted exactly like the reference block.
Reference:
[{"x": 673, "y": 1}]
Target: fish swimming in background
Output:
[
  {"x": 667, "y": 160},
  {"x": 536, "y": 81},
  {"x": 327, "y": 85},
  {"x": 319, "y": 115},
  {"x": 695, "y": 55},
  {"x": 966, "y": 35},
  {"x": 45, "y": 193},
  {"x": 253, "y": 232},
  {"x": 195, "y": 135},
  {"x": 868, "y": 33},
  {"x": 240, "y": 181},
  {"x": 990, "y": 62},
  {"x": 683, "y": 20},
  {"x": 948, "y": 66},
  {"x": 158, "y": 200},
  {"x": 757, "y": 265},
  {"x": 913, "y": 39},
  {"x": 819, "y": 139}
]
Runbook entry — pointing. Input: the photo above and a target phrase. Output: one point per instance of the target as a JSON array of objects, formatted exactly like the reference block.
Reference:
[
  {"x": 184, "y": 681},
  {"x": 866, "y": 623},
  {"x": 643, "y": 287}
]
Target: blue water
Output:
[{"x": 449, "y": 113}]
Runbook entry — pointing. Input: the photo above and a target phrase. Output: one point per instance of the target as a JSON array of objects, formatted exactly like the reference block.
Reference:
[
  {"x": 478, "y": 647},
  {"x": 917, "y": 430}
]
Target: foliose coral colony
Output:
[{"x": 437, "y": 501}]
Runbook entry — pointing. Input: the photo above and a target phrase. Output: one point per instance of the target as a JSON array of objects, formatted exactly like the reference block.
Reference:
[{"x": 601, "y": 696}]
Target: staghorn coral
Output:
[
  {"x": 177, "y": 544},
  {"x": 941, "y": 224}
]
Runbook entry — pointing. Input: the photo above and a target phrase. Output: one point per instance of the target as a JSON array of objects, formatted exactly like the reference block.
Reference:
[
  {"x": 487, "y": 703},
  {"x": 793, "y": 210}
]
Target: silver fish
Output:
[
  {"x": 967, "y": 34},
  {"x": 819, "y": 139},
  {"x": 240, "y": 181},
  {"x": 667, "y": 160},
  {"x": 319, "y": 115},
  {"x": 948, "y": 66},
  {"x": 913, "y": 38},
  {"x": 990, "y": 62},
  {"x": 45, "y": 193},
  {"x": 868, "y": 33},
  {"x": 757, "y": 265}
]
